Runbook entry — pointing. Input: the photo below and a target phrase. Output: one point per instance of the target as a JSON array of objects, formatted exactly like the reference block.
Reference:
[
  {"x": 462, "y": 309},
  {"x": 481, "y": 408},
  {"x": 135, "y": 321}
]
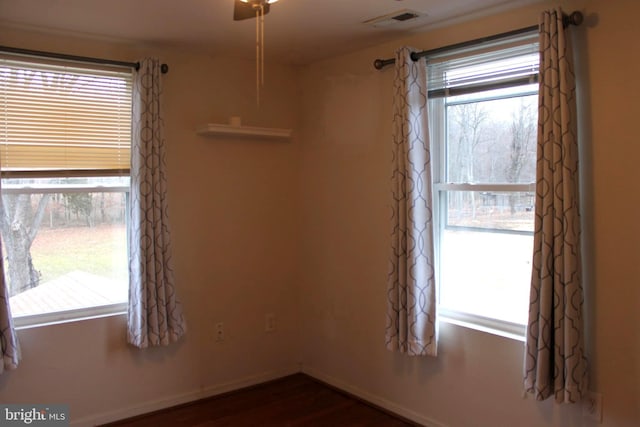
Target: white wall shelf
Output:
[{"x": 217, "y": 130}]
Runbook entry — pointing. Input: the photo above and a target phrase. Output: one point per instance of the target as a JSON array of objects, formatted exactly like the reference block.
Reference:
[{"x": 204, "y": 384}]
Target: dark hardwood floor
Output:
[{"x": 297, "y": 400}]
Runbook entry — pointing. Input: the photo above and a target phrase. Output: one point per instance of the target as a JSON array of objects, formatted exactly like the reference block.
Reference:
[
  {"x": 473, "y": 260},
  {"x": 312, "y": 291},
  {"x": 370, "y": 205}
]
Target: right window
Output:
[{"x": 483, "y": 123}]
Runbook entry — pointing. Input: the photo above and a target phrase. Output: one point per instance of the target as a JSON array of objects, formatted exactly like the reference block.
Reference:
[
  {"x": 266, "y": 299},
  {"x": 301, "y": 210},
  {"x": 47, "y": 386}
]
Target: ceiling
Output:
[{"x": 296, "y": 31}]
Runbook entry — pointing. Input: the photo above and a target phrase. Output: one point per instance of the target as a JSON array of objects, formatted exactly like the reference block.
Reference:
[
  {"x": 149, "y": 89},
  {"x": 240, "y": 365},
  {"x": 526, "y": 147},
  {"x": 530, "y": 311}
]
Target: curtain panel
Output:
[
  {"x": 155, "y": 314},
  {"x": 8, "y": 337},
  {"x": 411, "y": 293},
  {"x": 555, "y": 362}
]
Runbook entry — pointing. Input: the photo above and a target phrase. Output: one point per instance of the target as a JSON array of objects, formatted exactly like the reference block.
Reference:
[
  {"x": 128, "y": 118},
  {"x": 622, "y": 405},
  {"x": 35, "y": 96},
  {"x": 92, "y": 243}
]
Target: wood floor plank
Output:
[{"x": 293, "y": 401}]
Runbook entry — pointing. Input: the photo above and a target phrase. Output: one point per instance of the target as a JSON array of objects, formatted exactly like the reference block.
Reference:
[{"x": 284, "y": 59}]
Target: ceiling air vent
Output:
[
  {"x": 398, "y": 18},
  {"x": 405, "y": 16}
]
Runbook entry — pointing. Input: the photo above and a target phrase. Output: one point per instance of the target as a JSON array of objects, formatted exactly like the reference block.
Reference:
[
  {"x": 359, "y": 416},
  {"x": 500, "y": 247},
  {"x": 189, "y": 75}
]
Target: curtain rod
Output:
[
  {"x": 164, "y": 68},
  {"x": 574, "y": 18}
]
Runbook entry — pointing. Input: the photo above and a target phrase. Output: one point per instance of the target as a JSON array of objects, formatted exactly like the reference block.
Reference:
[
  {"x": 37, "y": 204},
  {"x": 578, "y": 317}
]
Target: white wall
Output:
[
  {"x": 476, "y": 379},
  {"x": 233, "y": 217}
]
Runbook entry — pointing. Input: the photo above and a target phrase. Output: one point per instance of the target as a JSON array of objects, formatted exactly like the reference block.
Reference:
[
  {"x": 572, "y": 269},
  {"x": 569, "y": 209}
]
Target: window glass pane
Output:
[
  {"x": 490, "y": 210},
  {"x": 491, "y": 140},
  {"x": 486, "y": 273},
  {"x": 65, "y": 243}
]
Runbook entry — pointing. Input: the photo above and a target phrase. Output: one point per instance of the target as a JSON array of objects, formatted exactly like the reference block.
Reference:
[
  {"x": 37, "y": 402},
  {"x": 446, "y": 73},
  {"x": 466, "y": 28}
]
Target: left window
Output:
[{"x": 65, "y": 138}]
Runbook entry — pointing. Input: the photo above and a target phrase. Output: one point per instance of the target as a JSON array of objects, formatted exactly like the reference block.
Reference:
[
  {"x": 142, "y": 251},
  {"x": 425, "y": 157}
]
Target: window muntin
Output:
[
  {"x": 65, "y": 136},
  {"x": 483, "y": 119}
]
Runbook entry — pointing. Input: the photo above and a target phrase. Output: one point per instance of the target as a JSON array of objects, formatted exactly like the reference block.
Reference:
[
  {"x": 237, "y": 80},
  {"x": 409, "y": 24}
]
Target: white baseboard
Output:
[
  {"x": 169, "y": 401},
  {"x": 373, "y": 399}
]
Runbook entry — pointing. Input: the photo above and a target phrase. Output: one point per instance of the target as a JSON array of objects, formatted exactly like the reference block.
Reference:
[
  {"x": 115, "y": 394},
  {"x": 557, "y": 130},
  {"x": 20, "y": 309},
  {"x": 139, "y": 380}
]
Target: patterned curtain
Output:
[
  {"x": 555, "y": 362},
  {"x": 411, "y": 294},
  {"x": 9, "y": 345},
  {"x": 8, "y": 338},
  {"x": 155, "y": 314}
]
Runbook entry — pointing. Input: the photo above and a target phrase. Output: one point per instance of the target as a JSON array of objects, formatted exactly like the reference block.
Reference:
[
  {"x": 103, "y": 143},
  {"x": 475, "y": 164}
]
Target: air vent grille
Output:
[
  {"x": 400, "y": 18},
  {"x": 405, "y": 16}
]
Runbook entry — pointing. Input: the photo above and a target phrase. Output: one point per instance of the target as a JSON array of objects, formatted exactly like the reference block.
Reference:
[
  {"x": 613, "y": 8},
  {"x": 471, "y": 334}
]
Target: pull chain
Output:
[
  {"x": 262, "y": 43},
  {"x": 259, "y": 51}
]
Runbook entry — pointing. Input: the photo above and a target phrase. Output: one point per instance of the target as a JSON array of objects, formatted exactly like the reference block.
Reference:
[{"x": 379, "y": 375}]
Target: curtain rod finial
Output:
[
  {"x": 379, "y": 64},
  {"x": 575, "y": 18}
]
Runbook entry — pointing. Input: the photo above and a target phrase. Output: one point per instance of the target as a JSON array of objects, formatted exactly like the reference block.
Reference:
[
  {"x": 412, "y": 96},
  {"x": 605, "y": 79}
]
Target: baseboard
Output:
[
  {"x": 381, "y": 402},
  {"x": 179, "y": 399}
]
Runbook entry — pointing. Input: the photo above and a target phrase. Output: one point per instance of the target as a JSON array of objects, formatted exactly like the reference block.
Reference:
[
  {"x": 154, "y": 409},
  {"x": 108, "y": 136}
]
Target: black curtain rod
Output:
[
  {"x": 575, "y": 18},
  {"x": 164, "y": 68}
]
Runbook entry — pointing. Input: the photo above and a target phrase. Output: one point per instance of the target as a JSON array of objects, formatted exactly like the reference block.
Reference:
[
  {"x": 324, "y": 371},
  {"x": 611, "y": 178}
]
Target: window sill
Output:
[
  {"x": 500, "y": 328},
  {"x": 58, "y": 317}
]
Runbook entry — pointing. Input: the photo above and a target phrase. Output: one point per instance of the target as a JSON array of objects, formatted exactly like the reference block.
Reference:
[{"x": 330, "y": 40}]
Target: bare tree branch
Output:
[{"x": 37, "y": 218}]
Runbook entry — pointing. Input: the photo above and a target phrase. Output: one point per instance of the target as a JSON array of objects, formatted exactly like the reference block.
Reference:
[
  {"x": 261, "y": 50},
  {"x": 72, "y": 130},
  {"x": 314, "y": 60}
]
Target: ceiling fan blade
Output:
[{"x": 242, "y": 10}]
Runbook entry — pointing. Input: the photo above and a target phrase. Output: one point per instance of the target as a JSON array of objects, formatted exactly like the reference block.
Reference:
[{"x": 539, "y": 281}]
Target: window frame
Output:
[
  {"x": 94, "y": 311},
  {"x": 62, "y": 316},
  {"x": 441, "y": 186}
]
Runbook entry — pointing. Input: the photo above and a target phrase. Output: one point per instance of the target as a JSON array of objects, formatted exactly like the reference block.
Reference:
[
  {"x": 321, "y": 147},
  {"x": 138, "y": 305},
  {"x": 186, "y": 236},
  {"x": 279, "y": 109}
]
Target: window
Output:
[
  {"x": 65, "y": 136},
  {"x": 483, "y": 123}
]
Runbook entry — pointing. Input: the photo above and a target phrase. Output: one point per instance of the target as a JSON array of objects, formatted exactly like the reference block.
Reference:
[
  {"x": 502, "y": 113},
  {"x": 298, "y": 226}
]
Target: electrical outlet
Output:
[
  {"x": 270, "y": 322},
  {"x": 592, "y": 406},
  {"x": 219, "y": 332}
]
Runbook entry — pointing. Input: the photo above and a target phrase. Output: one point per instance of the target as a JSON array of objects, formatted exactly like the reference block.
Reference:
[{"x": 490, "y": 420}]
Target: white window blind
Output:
[
  {"x": 60, "y": 118},
  {"x": 458, "y": 73}
]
